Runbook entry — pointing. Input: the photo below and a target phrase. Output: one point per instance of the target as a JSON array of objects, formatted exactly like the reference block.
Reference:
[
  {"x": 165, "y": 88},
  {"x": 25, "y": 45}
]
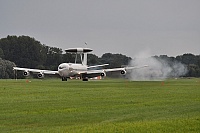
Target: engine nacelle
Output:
[
  {"x": 123, "y": 72},
  {"x": 40, "y": 75},
  {"x": 103, "y": 74},
  {"x": 26, "y": 73}
]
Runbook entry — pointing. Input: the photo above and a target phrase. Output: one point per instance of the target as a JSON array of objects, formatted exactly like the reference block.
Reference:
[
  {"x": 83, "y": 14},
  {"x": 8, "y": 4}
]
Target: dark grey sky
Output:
[{"x": 169, "y": 27}]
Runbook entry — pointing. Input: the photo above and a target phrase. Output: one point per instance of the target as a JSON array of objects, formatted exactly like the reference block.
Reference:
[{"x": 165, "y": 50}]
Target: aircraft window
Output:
[{"x": 60, "y": 67}]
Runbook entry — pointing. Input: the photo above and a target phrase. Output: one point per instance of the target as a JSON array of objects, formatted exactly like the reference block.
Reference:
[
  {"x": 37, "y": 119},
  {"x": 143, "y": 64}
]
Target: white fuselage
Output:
[{"x": 71, "y": 69}]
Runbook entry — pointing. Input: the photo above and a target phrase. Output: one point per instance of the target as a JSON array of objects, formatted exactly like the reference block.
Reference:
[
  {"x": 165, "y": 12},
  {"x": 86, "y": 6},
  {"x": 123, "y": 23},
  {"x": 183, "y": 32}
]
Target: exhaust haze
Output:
[{"x": 158, "y": 68}]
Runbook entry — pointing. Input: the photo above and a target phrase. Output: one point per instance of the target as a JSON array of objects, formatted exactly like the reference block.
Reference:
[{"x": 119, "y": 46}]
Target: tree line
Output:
[{"x": 25, "y": 51}]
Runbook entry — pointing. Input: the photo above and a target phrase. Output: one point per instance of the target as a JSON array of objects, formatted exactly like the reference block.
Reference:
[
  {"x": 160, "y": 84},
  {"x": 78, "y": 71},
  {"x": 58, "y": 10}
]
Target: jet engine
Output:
[
  {"x": 40, "y": 75},
  {"x": 26, "y": 73},
  {"x": 103, "y": 74},
  {"x": 123, "y": 72}
]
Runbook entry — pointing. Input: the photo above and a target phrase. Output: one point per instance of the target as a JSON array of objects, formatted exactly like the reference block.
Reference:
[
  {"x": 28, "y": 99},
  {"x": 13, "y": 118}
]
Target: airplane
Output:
[{"x": 82, "y": 70}]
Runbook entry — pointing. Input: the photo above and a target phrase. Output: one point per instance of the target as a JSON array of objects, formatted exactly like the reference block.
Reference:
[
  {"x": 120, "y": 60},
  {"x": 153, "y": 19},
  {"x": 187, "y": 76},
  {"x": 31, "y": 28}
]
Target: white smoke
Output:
[{"x": 158, "y": 69}]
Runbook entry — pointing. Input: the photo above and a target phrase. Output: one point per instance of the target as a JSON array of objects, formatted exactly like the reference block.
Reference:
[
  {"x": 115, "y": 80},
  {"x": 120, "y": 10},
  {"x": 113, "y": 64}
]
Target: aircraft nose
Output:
[
  {"x": 59, "y": 67},
  {"x": 63, "y": 67}
]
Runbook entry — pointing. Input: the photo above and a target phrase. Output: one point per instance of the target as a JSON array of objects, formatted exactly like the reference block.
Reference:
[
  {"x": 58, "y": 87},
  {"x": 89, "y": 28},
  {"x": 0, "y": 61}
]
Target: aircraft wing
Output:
[
  {"x": 35, "y": 70},
  {"x": 136, "y": 67},
  {"x": 123, "y": 68},
  {"x": 92, "y": 73},
  {"x": 102, "y": 72}
]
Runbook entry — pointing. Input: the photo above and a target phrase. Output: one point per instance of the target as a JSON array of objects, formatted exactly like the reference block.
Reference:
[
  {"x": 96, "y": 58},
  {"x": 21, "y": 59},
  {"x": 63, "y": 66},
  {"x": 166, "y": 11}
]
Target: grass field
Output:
[{"x": 100, "y": 106}]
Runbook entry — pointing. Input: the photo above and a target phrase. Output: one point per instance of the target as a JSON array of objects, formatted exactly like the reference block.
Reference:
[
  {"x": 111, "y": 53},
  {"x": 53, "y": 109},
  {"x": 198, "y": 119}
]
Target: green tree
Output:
[
  {"x": 115, "y": 60},
  {"x": 1, "y": 53},
  {"x": 6, "y": 69},
  {"x": 93, "y": 59},
  {"x": 23, "y": 50}
]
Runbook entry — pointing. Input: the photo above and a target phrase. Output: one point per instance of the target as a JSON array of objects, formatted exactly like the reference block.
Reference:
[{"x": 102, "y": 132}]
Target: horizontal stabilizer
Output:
[{"x": 97, "y": 66}]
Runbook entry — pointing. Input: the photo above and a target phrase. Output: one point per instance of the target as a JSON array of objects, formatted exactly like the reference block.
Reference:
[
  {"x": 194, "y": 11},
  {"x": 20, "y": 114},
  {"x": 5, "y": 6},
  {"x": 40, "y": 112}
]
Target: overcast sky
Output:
[{"x": 128, "y": 27}]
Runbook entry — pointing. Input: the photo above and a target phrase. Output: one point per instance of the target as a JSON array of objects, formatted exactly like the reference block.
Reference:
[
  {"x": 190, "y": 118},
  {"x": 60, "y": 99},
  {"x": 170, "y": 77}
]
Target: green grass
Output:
[{"x": 100, "y": 106}]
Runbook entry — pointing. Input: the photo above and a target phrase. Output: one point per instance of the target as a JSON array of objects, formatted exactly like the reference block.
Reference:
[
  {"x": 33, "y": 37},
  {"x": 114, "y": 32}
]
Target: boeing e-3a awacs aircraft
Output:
[{"x": 82, "y": 70}]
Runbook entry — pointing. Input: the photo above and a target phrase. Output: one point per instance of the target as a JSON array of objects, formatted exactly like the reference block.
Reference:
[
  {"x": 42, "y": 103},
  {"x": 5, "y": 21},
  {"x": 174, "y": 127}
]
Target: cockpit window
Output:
[{"x": 61, "y": 67}]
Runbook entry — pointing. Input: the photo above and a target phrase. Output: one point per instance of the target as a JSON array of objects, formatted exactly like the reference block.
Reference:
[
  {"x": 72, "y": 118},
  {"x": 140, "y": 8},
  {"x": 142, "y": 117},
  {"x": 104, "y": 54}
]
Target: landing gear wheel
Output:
[
  {"x": 64, "y": 78},
  {"x": 85, "y": 79}
]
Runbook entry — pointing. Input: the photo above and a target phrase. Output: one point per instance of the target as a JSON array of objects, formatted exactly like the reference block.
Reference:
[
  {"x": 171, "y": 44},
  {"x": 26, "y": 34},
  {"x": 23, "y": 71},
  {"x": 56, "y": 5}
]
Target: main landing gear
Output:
[
  {"x": 85, "y": 79},
  {"x": 64, "y": 78}
]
